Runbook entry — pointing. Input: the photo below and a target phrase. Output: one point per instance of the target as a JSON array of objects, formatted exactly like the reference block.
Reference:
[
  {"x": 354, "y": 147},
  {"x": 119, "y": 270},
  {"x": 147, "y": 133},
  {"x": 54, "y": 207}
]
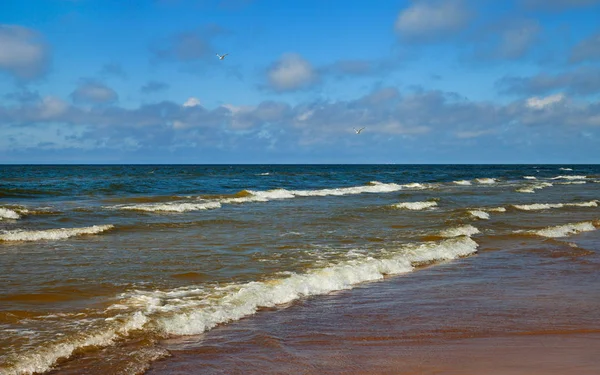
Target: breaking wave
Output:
[
  {"x": 6, "y": 213},
  {"x": 564, "y": 230},
  {"x": 193, "y": 310},
  {"x": 547, "y": 206},
  {"x": 51, "y": 234},
  {"x": 479, "y": 214},
  {"x": 415, "y": 206}
]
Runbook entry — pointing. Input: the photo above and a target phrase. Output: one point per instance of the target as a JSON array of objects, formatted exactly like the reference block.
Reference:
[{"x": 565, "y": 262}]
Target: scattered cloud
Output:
[
  {"x": 507, "y": 39},
  {"x": 23, "y": 52},
  {"x": 154, "y": 86},
  {"x": 90, "y": 92},
  {"x": 584, "y": 80},
  {"x": 189, "y": 46},
  {"x": 541, "y": 103},
  {"x": 586, "y": 50},
  {"x": 359, "y": 67},
  {"x": 291, "y": 72},
  {"x": 429, "y": 20},
  {"x": 113, "y": 69},
  {"x": 432, "y": 119},
  {"x": 557, "y": 5},
  {"x": 192, "y": 102}
]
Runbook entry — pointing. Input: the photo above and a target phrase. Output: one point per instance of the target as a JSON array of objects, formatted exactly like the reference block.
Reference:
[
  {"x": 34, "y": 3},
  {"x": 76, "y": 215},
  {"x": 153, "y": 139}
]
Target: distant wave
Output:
[
  {"x": 464, "y": 230},
  {"x": 564, "y": 230},
  {"x": 191, "y": 311},
  {"x": 565, "y": 169},
  {"x": 172, "y": 207},
  {"x": 479, "y": 214},
  {"x": 462, "y": 182},
  {"x": 486, "y": 181},
  {"x": 530, "y": 177},
  {"x": 494, "y": 209},
  {"x": 546, "y": 206},
  {"x": 561, "y": 177},
  {"x": 247, "y": 196},
  {"x": 51, "y": 234},
  {"x": 532, "y": 188},
  {"x": 7, "y": 213},
  {"x": 415, "y": 206}
]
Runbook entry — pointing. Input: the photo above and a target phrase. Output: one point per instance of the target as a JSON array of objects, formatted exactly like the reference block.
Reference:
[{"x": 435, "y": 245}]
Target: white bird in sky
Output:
[
  {"x": 221, "y": 57},
  {"x": 358, "y": 130}
]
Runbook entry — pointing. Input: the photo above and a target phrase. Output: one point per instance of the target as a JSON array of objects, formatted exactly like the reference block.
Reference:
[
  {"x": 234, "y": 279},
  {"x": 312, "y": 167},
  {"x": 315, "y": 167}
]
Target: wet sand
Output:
[{"x": 515, "y": 308}]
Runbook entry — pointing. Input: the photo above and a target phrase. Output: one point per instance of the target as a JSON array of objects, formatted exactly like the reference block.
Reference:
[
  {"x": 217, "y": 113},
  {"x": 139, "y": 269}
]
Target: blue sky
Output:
[{"x": 431, "y": 81}]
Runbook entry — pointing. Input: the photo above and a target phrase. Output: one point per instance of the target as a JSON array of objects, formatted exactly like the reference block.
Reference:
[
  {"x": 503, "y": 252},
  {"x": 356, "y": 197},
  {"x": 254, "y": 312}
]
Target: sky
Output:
[{"x": 431, "y": 81}]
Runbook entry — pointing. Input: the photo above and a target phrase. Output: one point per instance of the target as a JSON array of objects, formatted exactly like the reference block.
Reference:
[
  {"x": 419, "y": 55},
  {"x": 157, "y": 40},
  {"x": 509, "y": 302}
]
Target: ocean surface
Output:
[{"x": 114, "y": 268}]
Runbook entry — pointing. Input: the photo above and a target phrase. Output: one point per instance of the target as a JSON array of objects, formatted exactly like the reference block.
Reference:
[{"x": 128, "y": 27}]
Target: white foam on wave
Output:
[
  {"x": 44, "y": 357},
  {"x": 495, "y": 209},
  {"x": 547, "y": 206},
  {"x": 415, "y": 206},
  {"x": 565, "y": 169},
  {"x": 7, "y": 213},
  {"x": 372, "y": 187},
  {"x": 525, "y": 190},
  {"x": 486, "y": 181},
  {"x": 565, "y": 230},
  {"x": 462, "y": 182},
  {"x": 463, "y": 230},
  {"x": 530, "y": 177},
  {"x": 479, "y": 214},
  {"x": 575, "y": 177},
  {"x": 534, "y": 187},
  {"x": 51, "y": 234},
  {"x": 246, "y": 299},
  {"x": 193, "y": 310},
  {"x": 573, "y": 183},
  {"x": 249, "y": 196},
  {"x": 172, "y": 207}
]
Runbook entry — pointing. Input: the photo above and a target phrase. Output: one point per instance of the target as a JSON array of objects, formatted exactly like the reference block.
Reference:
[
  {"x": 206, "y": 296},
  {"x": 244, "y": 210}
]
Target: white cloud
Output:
[
  {"x": 291, "y": 72},
  {"x": 192, "y": 102},
  {"x": 541, "y": 103},
  {"x": 22, "y": 52},
  {"x": 432, "y": 18}
]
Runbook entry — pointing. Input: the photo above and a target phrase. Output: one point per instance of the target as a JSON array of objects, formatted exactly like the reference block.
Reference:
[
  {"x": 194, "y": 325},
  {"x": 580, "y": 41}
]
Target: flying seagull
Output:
[
  {"x": 222, "y": 57},
  {"x": 358, "y": 130}
]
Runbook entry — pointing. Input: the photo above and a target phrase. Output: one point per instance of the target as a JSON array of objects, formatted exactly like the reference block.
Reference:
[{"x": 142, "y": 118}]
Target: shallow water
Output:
[{"x": 99, "y": 265}]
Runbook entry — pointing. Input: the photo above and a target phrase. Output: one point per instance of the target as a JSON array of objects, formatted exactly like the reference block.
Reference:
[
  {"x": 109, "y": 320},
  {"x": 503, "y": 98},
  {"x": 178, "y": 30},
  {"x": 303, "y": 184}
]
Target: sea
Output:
[{"x": 276, "y": 269}]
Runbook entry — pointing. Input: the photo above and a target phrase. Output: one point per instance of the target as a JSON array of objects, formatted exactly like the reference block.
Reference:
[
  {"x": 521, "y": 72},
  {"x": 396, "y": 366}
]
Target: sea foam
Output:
[
  {"x": 464, "y": 230},
  {"x": 479, "y": 214},
  {"x": 486, "y": 180},
  {"x": 546, "y": 206},
  {"x": 575, "y": 177},
  {"x": 195, "y": 310},
  {"x": 6, "y": 213},
  {"x": 51, "y": 234},
  {"x": 415, "y": 206},
  {"x": 172, "y": 207},
  {"x": 565, "y": 230}
]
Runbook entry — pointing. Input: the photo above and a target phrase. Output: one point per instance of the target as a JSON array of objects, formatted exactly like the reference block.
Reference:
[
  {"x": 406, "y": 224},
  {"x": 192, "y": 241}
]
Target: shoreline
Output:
[{"x": 501, "y": 312}]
